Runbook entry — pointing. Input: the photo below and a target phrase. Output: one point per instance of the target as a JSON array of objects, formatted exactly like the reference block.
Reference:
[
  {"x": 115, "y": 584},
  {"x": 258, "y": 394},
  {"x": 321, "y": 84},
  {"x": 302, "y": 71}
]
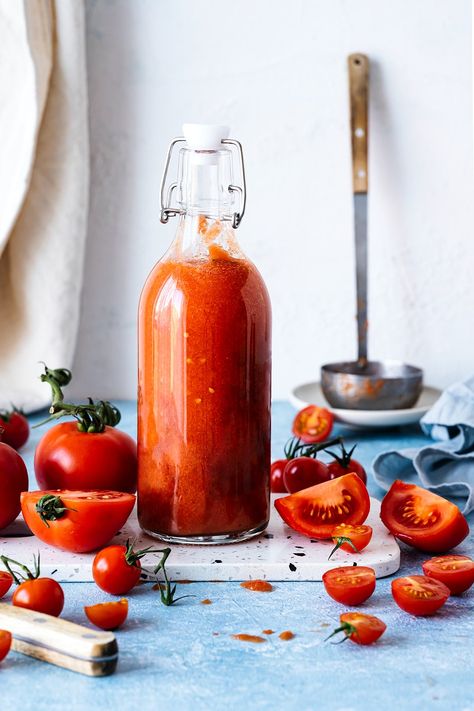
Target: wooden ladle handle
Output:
[{"x": 358, "y": 65}]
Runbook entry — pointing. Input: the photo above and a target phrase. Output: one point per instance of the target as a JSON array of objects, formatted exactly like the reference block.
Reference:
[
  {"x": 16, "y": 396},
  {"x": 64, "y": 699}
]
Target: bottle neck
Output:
[{"x": 202, "y": 237}]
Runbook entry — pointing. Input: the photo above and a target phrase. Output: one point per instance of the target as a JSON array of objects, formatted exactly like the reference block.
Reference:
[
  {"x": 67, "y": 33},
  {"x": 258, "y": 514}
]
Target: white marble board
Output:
[{"x": 278, "y": 554}]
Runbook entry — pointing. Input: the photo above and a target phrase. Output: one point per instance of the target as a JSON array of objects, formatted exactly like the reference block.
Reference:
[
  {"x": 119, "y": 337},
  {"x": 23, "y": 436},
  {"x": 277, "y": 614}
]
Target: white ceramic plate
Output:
[{"x": 311, "y": 394}]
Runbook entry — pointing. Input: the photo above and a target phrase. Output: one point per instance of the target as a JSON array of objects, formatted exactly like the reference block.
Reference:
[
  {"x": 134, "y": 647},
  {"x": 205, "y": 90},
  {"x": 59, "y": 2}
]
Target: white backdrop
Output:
[{"x": 276, "y": 72}]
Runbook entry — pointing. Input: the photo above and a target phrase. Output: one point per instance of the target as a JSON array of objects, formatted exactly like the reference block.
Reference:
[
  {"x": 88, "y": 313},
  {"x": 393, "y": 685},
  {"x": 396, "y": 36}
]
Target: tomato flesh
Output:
[
  {"x": 41, "y": 594},
  {"x": 91, "y": 520},
  {"x": 316, "y": 511},
  {"x": 6, "y": 581},
  {"x": 367, "y": 628},
  {"x": 303, "y": 472},
  {"x": 5, "y": 643},
  {"x": 350, "y": 585},
  {"x": 108, "y": 615},
  {"x": 422, "y": 519},
  {"x": 455, "y": 571},
  {"x": 419, "y": 594},
  {"x": 359, "y": 535},
  {"x": 313, "y": 424},
  {"x": 16, "y": 429},
  {"x": 277, "y": 485},
  {"x": 112, "y": 573},
  {"x": 336, "y": 469},
  {"x": 13, "y": 480}
]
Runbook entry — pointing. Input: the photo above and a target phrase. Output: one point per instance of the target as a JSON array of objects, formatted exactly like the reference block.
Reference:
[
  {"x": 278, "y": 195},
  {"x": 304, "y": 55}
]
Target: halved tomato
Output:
[
  {"x": 350, "y": 585},
  {"x": 352, "y": 539},
  {"x": 455, "y": 571},
  {"x": 419, "y": 595},
  {"x": 76, "y": 521},
  {"x": 360, "y": 628},
  {"x": 422, "y": 519},
  {"x": 313, "y": 424},
  {"x": 316, "y": 511},
  {"x": 108, "y": 615}
]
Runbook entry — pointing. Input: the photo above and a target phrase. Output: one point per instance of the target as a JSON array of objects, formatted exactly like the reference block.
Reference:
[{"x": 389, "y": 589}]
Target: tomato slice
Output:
[
  {"x": 5, "y": 643},
  {"x": 455, "y": 571},
  {"x": 345, "y": 534},
  {"x": 108, "y": 615},
  {"x": 419, "y": 595},
  {"x": 422, "y": 519},
  {"x": 350, "y": 585},
  {"x": 313, "y": 424},
  {"x": 6, "y": 581},
  {"x": 76, "y": 521},
  {"x": 360, "y": 628},
  {"x": 315, "y": 512}
]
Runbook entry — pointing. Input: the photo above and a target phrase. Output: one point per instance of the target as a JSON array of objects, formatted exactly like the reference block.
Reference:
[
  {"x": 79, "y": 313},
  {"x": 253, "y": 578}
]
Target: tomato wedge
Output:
[
  {"x": 422, "y": 519},
  {"x": 360, "y": 628},
  {"x": 352, "y": 539},
  {"x": 313, "y": 424},
  {"x": 76, "y": 521},
  {"x": 6, "y": 581},
  {"x": 108, "y": 615},
  {"x": 350, "y": 585},
  {"x": 419, "y": 595},
  {"x": 455, "y": 571},
  {"x": 316, "y": 511}
]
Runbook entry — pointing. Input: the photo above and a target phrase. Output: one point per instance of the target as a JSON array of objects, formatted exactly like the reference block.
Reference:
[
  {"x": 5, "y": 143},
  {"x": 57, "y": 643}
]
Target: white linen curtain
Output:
[{"x": 44, "y": 175}]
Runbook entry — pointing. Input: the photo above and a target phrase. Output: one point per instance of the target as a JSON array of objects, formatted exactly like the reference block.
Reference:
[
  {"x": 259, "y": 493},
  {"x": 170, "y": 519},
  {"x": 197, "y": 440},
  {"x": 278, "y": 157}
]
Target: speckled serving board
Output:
[{"x": 278, "y": 554}]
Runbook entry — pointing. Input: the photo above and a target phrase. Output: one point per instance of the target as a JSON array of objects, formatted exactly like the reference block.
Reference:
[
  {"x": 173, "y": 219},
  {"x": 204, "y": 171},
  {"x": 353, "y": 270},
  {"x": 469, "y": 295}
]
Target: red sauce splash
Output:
[
  {"x": 268, "y": 632},
  {"x": 257, "y": 585},
  {"x": 206, "y": 601},
  {"x": 255, "y": 639},
  {"x": 286, "y": 635}
]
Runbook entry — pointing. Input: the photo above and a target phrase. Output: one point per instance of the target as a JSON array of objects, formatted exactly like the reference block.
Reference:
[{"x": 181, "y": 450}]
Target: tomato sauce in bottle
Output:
[{"x": 204, "y": 363}]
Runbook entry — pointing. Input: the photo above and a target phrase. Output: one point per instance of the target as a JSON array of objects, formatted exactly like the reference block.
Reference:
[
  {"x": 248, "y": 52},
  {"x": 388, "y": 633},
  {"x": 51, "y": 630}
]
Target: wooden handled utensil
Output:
[{"x": 60, "y": 642}]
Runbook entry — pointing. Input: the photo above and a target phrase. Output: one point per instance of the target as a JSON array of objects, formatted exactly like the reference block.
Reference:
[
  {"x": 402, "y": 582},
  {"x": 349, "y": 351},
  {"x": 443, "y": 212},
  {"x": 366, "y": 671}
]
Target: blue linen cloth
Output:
[{"x": 447, "y": 466}]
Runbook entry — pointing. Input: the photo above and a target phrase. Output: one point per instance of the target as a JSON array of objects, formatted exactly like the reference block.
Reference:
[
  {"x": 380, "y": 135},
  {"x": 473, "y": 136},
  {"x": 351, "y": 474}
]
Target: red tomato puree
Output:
[{"x": 204, "y": 397}]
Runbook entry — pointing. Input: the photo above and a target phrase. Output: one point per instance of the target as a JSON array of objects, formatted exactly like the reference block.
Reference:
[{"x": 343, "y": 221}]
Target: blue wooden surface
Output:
[{"x": 183, "y": 657}]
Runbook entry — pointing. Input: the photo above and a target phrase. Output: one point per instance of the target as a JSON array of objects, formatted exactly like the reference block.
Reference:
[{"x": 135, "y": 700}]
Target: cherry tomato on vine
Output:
[
  {"x": 352, "y": 539},
  {"x": 303, "y": 472},
  {"x": 76, "y": 521},
  {"x": 277, "y": 484},
  {"x": 14, "y": 428},
  {"x": 5, "y": 643},
  {"x": 360, "y": 628},
  {"x": 350, "y": 585},
  {"x": 455, "y": 571},
  {"x": 13, "y": 480},
  {"x": 419, "y": 595},
  {"x": 34, "y": 592},
  {"x": 116, "y": 569},
  {"x": 108, "y": 615},
  {"x": 316, "y": 511},
  {"x": 422, "y": 519},
  {"x": 344, "y": 463},
  {"x": 313, "y": 424},
  {"x": 6, "y": 581}
]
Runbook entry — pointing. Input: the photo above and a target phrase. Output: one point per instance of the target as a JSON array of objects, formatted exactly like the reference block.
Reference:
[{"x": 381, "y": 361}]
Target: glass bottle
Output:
[{"x": 204, "y": 362}]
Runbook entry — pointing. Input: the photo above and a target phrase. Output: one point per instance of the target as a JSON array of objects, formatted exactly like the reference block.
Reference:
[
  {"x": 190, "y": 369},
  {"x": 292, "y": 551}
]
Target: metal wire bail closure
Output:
[{"x": 166, "y": 194}]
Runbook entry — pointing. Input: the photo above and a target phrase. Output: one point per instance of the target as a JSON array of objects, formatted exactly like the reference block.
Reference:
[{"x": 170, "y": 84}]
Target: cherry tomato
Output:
[
  {"x": 303, "y": 472},
  {"x": 313, "y": 424},
  {"x": 40, "y": 594},
  {"x": 455, "y": 571},
  {"x": 360, "y": 628},
  {"x": 419, "y": 595},
  {"x": 13, "y": 480},
  {"x": 5, "y": 643},
  {"x": 277, "y": 484},
  {"x": 422, "y": 519},
  {"x": 350, "y": 585},
  {"x": 16, "y": 429},
  {"x": 76, "y": 521},
  {"x": 352, "y": 539},
  {"x": 108, "y": 615},
  {"x": 316, "y": 511},
  {"x": 6, "y": 581},
  {"x": 116, "y": 569},
  {"x": 67, "y": 458},
  {"x": 344, "y": 463}
]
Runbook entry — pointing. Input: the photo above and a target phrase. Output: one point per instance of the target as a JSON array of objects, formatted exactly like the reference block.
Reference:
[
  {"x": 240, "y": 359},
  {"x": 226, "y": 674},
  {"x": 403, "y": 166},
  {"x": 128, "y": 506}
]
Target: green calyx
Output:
[
  {"x": 344, "y": 458},
  {"x": 346, "y": 628},
  {"x": 132, "y": 556},
  {"x": 167, "y": 593},
  {"x": 24, "y": 573},
  {"x": 296, "y": 448},
  {"x": 340, "y": 540},
  {"x": 50, "y": 508},
  {"x": 91, "y": 417}
]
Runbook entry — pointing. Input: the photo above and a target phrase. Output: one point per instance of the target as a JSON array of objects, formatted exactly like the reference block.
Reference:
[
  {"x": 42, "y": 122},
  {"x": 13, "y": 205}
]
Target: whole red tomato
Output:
[
  {"x": 67, "y": 458},
  {"x": 14, "y": 428},
  {"x": 34, "y": 592},
  {"x": 343, "y": 464},
  {"x": 13, "y": 480},
  {"x": 303, "y": 472},
  {"x": 277, "y": 485},
  {"x": 5, "y": 643},
  {"x": 116, "y": 569}
]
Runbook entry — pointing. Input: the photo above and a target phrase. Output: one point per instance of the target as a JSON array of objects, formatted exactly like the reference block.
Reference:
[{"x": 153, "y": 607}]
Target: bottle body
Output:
[{"x": 204, "y": 390}]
